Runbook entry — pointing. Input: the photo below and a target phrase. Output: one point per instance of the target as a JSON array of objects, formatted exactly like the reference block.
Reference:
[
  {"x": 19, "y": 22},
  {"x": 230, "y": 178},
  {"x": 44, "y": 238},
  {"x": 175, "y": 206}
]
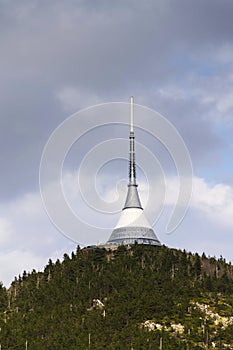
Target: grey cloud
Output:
[
  {"x": 27, "y": 118},
  {"x": 104, "y": 49}
]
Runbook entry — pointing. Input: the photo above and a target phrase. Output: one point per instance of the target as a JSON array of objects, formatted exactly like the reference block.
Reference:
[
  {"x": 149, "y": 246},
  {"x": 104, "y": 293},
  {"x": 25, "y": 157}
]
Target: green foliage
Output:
[{"x": 57, "y": 309}]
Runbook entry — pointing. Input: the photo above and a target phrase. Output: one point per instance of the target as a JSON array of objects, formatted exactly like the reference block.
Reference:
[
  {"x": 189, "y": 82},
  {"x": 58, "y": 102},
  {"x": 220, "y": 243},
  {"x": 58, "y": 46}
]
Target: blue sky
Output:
[{"x": 59, "y": 57}]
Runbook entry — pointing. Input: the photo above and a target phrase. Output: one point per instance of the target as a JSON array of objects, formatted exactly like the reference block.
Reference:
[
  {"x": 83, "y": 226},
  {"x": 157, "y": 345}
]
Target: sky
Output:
[{"x": 60, "y": 57}]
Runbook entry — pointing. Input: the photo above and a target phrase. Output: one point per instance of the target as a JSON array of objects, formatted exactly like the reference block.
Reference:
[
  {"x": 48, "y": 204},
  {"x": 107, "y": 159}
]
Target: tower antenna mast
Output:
[
  {"x": 133, "y": 225},
  {"x": 131, "y": 114},
  {"x": 132, "y": 168}
]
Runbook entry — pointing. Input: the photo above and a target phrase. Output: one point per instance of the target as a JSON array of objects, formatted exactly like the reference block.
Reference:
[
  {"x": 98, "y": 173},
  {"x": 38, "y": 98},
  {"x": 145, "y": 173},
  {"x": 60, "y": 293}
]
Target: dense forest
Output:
[{"x": 138, "y": 297}]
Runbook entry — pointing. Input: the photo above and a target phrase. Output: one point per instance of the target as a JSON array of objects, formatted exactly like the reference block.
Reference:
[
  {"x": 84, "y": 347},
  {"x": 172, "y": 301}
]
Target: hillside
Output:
[{"x": 143, "y": 297}]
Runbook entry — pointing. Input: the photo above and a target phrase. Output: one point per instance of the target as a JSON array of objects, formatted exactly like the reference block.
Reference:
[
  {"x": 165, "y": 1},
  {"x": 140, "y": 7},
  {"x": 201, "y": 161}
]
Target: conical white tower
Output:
[{"x": 133, "y": 225}]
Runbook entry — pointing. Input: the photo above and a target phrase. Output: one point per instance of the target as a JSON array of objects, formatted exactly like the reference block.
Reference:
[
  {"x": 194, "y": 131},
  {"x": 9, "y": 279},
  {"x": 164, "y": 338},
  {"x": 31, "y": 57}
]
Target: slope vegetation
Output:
[{"x": 142, "y": 297}]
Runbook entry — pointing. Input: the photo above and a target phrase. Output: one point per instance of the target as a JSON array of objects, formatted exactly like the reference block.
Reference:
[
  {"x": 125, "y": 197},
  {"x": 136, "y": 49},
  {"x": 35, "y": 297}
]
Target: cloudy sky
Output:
[{"x": 57, "y": 57}]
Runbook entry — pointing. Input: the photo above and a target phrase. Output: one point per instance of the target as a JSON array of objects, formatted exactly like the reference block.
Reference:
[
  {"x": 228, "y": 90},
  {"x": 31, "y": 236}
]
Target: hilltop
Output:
[{"x": 139, "y": 297}]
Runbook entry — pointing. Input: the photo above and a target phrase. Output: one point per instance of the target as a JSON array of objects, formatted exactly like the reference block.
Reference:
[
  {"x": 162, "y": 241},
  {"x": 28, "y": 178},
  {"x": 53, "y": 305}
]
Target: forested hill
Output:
[{"x": 143, "y": 297}]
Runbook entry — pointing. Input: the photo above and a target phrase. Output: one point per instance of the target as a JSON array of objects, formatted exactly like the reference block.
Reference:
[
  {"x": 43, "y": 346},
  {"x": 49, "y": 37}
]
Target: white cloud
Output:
[
  {"x": 14, "y": 262},
  {"x": 225, "y": 103},
  {"x": 28, "y": 238},
  {"x": 5, "y": 230},
  {"x": 73, "y": 99},
  {"x": 224, "y": 54},
  {"x": 173, "y": 92},
  {"x": 213, "y": 201}
]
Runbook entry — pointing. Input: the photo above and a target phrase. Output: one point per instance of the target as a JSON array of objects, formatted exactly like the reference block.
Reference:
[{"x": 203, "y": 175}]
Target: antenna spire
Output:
[
  {"x": 132, "y": 199},
  {"x": 132, "y": 168},
  {"x": 131, "y": 114}
]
